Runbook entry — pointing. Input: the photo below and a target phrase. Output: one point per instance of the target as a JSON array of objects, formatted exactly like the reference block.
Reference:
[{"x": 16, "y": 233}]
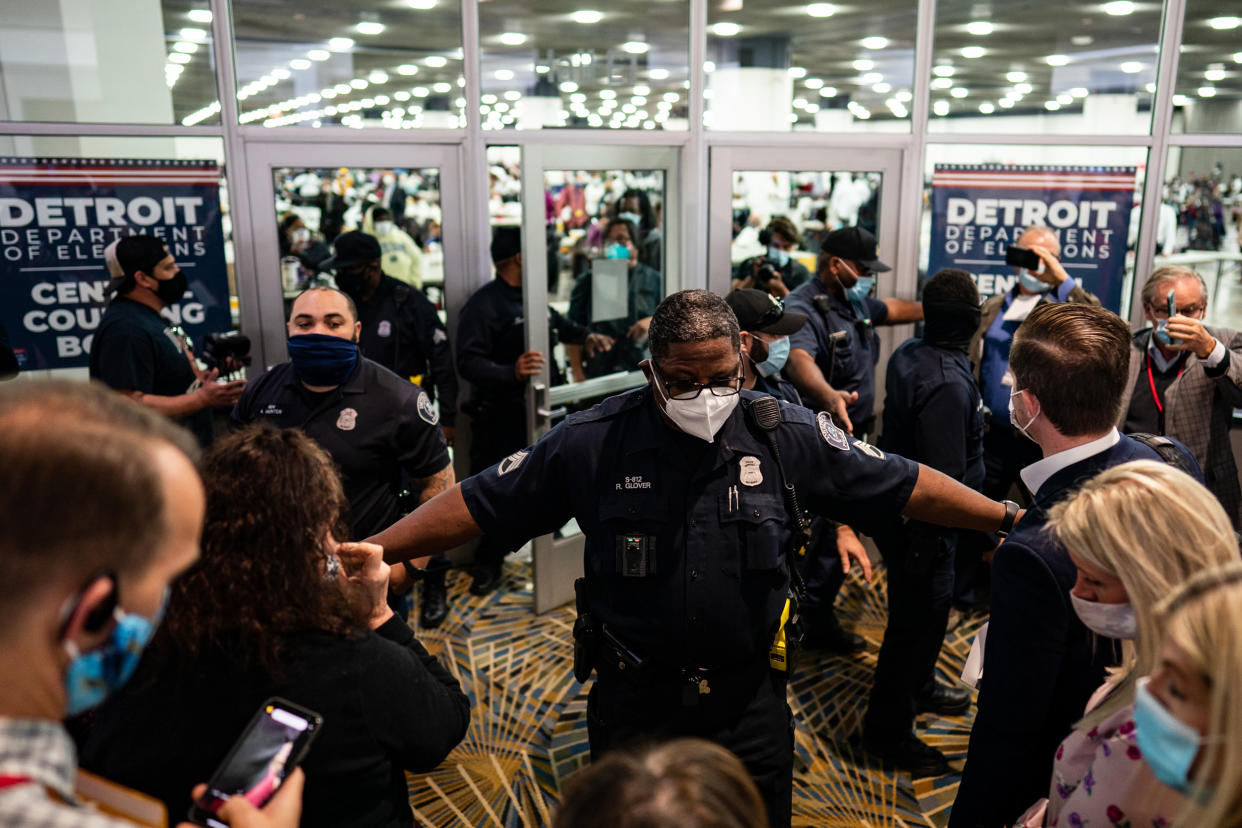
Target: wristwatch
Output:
[{"x": 1011, "y": 514}]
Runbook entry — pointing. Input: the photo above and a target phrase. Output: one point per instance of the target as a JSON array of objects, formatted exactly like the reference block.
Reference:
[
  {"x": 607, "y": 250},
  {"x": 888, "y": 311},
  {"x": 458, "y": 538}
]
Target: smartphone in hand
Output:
[
  {"x": 271, "y": 746},
  {"x": 1024, "y": 258}
]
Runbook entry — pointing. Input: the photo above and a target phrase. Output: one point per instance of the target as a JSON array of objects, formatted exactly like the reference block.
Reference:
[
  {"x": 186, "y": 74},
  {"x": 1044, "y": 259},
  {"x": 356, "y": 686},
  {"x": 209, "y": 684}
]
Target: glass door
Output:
[{"x": 603, "y": 225}]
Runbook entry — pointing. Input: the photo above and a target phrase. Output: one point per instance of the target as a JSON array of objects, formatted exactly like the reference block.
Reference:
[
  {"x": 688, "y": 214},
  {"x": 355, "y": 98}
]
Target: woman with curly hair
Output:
[{"x": 277, "y": 606}]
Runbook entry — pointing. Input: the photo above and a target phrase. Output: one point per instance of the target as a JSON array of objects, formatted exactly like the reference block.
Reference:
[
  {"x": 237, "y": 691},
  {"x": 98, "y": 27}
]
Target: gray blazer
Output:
[{"x": 1198, "y": 412}]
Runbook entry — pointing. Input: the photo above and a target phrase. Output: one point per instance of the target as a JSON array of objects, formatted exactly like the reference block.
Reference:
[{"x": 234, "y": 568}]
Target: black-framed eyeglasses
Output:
[
  {"x": 1190, "y": 310},
  {"x": 689, "y": 389}
]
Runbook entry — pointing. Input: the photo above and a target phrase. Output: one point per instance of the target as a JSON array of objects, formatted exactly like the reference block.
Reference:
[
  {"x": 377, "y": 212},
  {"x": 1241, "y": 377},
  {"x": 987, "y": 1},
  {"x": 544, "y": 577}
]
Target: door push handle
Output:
[{"x": 552, "y": 413}]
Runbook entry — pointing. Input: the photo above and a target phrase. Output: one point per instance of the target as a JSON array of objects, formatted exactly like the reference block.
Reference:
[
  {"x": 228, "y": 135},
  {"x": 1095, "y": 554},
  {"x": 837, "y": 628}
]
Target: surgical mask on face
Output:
[
  {"x": 1108, "y": 620},
  {"x": 92, "y": 677},
  {"x": 171, "y": 290},
  {"x": 1168, "y": 744},
  {"x": 1033, "y": 283},
  {"x": 1162, "y": 332},
  {"x": 778, "y": 353},
  {"x": 701, "y": 417},
  {"x": 861, "y": 289},
  {"x": 301, "y": 236},
  {"x": 383, "y": 228},
  {"x": 778, "y": 257},
  {"x": 616, "y": 250},
  {"x": 632, "y": 218},
  {"x": 1013, "y": 420},
  {"x": 321, "y": 359}
]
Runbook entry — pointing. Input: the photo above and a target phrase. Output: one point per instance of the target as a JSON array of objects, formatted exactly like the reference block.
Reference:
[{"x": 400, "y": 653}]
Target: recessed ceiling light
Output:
[
  {"x": 1214, "y": 74},
  {"x": 1015, "y": 77},
  {"x": 513, "y": 95},
  {"x": 870, "y": 78},
  {"x": 796, "y": 72},
  {"x": 179, "y": 57},
  {"x": 342, "y": 88},
  {"x": 407, "y": 69},
  {"x": 1065, "y": 99},
  {"x": 1131, "y": 67},
  {"x": 319, "y": 54},
  {"x": 503, "y": 74},
  {"x": 1051, "y": 106},
  {"x": 586, "y": 16},
  {"x": 542, "y": 69},
  {"x": 979, "y": 28},
  {"x": 874, "y": 43},
  {"x": 1082, "y": 40},
  {"x": 401, "y": 95},
  {"x": 1224, "y": 23},
  {"x": 281, "y": 74},
  {"x": 1118, "y": 8},
  {"x": 378, "y": 77},
  {"x": 436, "y": 62},
  {"x": 359, "y": 83},
  {"x": 1180, "y": 100},
  {"x": 709, "y": 66},
  {"x": 421, "y": 5},
  {"x": 813, "y": 83},
  {"x": 1023, "y": 88},
  {"x": 828, "y": 92},
  {"x": 341, "y": 44},
  {"x": 942, "y": 83},
  {"x": 973, "y": 52},
  {"x": 186, "y": 48},
  {"x": 1056, "y": 60},
  {"x": 512, "y": 38},
  {"x": 420, "y": 91},
  {"x": 299, "y": 64},
  {"x": 635, "y": 47},
  {"x": 642, "y": 89},
  {"x": 725, "y": 29},
  {"x": 370, "y": 27},
  {"x": 1005, "y": 103},
  {"x": 904, "y": 96},
  {"x": 568, "y": 86},
  {"x": 607, "y": 94},
  {"x": 442, "y": 88},
  {"x": 1237, "y": 57},
  {"x": 1207, "y": 91},
  {"x": 821, "y": 10},
  {"x": 864, "y": 65},
  {"x": 943, "y": 71},
  {"x": 1078, "y": 91},
  {"x": 658, "y": 74},
  {"x": 199, "y": 15},
  {"x": 195, "y": 35},
  {"x": 959, "y": 92},
  {"x": 882, "y": 88},
  {"x": 941, "y": 108},
  {"x": 986, "y": 108},
  {"x": 671, "y": 97}
]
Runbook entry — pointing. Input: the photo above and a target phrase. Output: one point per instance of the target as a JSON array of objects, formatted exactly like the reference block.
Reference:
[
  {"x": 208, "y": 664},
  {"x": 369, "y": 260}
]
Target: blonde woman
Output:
[
  {"x": 1135, "y": 532},
  {"x": 1189, "y": 711}
]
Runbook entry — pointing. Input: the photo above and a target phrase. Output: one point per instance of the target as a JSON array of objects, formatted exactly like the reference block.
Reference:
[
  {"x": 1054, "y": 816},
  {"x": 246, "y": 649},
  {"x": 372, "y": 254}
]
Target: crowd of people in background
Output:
[{"x": 1107, "y": 680}]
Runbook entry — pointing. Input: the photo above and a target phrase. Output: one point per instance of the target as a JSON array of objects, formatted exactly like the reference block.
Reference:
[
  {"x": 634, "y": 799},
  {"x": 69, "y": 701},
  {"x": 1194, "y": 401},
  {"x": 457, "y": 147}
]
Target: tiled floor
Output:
[{"x": 528, "y": 729}]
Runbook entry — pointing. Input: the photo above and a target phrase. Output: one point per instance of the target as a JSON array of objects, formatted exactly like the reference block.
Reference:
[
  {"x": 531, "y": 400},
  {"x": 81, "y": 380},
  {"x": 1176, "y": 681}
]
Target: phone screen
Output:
[
  {"x": 1023, "y": 258},
  {"x": 268, "y": 750}
]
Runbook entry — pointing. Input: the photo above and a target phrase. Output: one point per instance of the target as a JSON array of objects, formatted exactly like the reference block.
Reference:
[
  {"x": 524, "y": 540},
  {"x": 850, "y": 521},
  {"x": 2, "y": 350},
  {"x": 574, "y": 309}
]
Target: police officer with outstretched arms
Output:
[{"x": 679, "y": 488}]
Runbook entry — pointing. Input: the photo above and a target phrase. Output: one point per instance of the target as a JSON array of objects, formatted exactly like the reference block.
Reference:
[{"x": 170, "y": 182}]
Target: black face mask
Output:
[
  {"x": 171, "y": 290},
  {"x": 950, "y": 323},
  {"x": 351, "y": 281}
]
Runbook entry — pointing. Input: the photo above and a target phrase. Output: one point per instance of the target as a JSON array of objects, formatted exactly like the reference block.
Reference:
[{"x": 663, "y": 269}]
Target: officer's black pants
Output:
[
  {"x": 919, "y": 561},
  {"x": 822, "y": 573},
  {"x": 746, "y": 714}
]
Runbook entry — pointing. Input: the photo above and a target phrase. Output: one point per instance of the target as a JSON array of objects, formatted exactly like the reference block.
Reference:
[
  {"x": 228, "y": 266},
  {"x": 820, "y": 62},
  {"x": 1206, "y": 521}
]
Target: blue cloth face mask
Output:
[
  {"x": 1169, "y": 745},
  {"x": 633, "y": 218},
  {"x": 321, "y": 359},
  {"x": 1162, "y": 331},
  {"x": 94, "y": 676},
  {"x": 778, "y": 353},
  {"x": 861, "y": 289},
  {"x": 779, "y": 257},
  {"x": 616, "y": 251},
  {"x": 1033, "y": 283}
]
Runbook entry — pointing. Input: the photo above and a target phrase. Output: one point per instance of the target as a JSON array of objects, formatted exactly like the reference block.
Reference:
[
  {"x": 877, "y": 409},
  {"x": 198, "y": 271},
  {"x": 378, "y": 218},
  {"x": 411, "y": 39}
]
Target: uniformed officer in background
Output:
[
  {"x": 492, "y": 357},
  {"x": 380, "y": 429},
  {"x": 933, "y": 413},
  {"x": 678, "y": 489},
  {"x": 832, "y": 363}
]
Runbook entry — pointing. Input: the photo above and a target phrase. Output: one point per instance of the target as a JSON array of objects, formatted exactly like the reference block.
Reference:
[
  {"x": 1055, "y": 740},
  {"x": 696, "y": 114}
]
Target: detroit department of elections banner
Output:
[
  {"x": 978, "y": 210},
  {"x": 56, "y": 217}
]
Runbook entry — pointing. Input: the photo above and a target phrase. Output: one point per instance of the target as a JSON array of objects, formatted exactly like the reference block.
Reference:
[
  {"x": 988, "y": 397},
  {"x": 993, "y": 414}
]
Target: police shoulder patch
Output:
[
  {"x": 832, "y": 435},
  {"x": 868, "y": 449},
  {"x": 426, "y": 411},
  {"x": 511, "y": 462}
]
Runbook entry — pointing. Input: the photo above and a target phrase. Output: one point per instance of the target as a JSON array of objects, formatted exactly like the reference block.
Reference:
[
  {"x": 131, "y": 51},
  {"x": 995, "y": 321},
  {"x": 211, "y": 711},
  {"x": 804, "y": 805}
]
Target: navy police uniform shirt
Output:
[
  {"x": 849, "y": 364},
  {"x": 374, "y": 426},
  {"x": 402, "y": 331},
  {"x": 135, "y": 350},
  {"x": 710, "y": 514},
  {"x": 933, "y": 411},
  {"x": 491, "y": 335}
]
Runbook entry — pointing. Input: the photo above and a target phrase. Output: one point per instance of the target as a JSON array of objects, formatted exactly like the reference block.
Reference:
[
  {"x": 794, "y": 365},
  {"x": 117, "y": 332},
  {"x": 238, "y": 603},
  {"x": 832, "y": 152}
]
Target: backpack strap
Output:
[{"x": 1168, "y": 451}]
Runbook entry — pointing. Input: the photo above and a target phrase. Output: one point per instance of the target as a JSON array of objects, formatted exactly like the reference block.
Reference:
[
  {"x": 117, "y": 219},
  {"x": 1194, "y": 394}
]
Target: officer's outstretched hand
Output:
[
  {"x": 219, "y": 394},
  {"x": 849, "y": 546},
  {"x": 837, "y": 407},
  {"x": 283, "y": 810},
  {"x": 528, "y": 365}
]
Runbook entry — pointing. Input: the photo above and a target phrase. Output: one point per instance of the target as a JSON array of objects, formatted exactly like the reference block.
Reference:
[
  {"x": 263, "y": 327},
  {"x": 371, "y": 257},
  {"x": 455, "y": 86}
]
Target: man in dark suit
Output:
[
  {"x": 1069, "y": 365},
  {"x": 1190, "y": 399}
]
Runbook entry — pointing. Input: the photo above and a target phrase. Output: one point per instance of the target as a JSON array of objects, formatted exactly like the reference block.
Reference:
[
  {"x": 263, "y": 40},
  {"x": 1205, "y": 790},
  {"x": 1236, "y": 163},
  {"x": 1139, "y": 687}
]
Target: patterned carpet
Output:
[{"x": 528, "y": 728}]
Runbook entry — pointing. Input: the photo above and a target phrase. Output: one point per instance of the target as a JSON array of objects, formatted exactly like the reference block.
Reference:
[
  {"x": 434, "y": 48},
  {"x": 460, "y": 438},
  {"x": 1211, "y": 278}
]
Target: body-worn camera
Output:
[{"x": 219, "y": 348}]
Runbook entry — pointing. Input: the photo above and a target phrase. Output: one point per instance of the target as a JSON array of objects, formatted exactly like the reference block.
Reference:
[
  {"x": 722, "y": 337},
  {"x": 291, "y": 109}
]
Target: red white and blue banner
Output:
[
  {"x": 56, "y": 217},
  {"x": 978, "y": 210}
]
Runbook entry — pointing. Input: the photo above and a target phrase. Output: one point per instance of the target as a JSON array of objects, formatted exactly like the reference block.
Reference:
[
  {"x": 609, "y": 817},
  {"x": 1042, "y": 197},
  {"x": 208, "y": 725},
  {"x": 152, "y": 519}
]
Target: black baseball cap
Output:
[
  {"x": 855, "y": 244},
  {"x": 506, "y": 243},
  {"x": 351, "y": 250},
  {"x": 758, "y": 310}
]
